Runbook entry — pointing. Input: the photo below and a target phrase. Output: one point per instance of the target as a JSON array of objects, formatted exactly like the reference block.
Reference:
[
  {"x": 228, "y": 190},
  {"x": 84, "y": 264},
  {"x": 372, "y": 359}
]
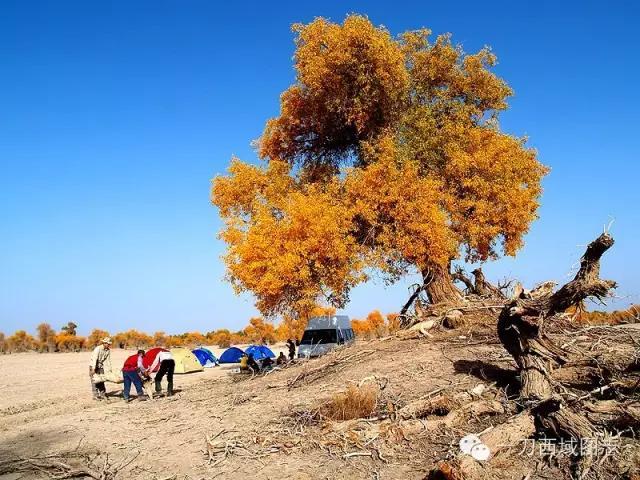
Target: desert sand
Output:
[
  {"x": 32, "y": 381},
  {"x": 266, "y": 425},
  {"x": 46, "y": 408}
]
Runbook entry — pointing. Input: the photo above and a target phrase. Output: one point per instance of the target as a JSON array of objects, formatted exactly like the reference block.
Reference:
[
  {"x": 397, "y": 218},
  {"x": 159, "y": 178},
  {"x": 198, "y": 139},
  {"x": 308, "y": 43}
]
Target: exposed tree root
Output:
[
  {"x": 63, "y": 465},
  {"x": 559, "y": 385}
]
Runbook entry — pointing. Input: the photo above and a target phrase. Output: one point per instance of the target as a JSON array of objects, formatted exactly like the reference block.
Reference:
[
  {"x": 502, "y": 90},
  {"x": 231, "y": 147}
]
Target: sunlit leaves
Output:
[{"x": 387, "y": 155}]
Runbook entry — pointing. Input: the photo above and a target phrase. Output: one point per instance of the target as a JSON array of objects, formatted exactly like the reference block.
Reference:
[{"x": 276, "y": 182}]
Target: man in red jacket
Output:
[{"x": 131, "y": 372}]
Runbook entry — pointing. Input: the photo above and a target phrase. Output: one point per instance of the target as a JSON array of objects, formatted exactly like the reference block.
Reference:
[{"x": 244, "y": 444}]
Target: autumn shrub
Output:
[
  {"x": 375, "y": 325},
  {"x": 617, "y": 317},
  {"x": 174, "y": 341},
  {"x": 354, "y": 402},
  {"x": 194, "y": 339},
  {"x": 221, "y": 338},
  {"x": 361, "y": 328},
  {"x": 46, "y": 338},
  {"x": 95, "y": 337},
  {"x": 21, "y": 341},
  {"x": 260, "y": 331},
  {"x": 3, "y": 343},
  {"x": 69, "y": 343},
  {"x": 132, "y": 339},
  {"x": 160, "y": 339}
]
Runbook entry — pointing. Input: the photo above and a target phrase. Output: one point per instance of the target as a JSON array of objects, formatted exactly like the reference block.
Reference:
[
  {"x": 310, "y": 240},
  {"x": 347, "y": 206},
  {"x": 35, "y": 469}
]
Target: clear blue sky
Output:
[{"x": 114, "y": 116}]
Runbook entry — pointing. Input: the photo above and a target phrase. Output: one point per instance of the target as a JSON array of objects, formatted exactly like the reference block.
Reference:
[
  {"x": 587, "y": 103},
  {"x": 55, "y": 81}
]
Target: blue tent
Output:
[
  {"x": 231, "y": 355},
  {"x": 260, "y": 352},
  {"x": 205, "y": 357}
]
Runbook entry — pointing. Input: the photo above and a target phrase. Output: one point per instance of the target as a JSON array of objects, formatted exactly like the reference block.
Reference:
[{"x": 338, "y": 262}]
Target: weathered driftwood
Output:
[
  {"x": 479, "y": 285},
  {"x": 521, "y": 329},
  {"x": 483, "y": 287},
  {"x": 521, "y": 325},
  {"x": 458, "y": 275}
]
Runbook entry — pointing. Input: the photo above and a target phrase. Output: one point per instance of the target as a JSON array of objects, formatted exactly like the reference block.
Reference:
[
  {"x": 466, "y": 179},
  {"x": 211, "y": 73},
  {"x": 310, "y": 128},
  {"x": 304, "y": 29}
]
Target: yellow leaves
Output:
[
  {"x": 375, "y": 326},
  {"x": 352, "y": 81},
  {"x": 242, "y": 191},
  {"x": 352, "y": 70},
  {"x": 96, "y": 336},
  {"x": 398, "y": 212},
  {"x": 386, "y": 155},
  {"x": 291, "y": 244},
  {"x": 259, "y": 331},
  {"x": 492, "y": 191}
]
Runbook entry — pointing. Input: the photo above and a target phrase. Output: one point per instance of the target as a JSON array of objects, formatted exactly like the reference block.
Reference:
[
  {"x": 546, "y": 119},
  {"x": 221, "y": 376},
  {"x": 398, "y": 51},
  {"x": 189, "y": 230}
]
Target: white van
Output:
[{"x": 325, "y": 333}]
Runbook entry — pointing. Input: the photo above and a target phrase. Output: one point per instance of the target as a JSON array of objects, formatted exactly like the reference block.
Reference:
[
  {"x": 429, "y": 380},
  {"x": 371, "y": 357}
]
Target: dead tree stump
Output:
[{"x": 522, "y": 321}]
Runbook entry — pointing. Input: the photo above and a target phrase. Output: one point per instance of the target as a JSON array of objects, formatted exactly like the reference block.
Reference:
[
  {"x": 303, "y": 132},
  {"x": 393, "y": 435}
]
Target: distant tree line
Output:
[
  {"x": 598, "y": 317},
  {"x": 259, "y": 330}
]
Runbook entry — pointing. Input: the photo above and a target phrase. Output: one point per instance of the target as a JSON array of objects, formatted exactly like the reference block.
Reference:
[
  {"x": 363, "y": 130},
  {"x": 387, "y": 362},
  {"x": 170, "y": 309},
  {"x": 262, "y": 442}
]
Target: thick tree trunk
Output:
[
  {"x": 438, "y": 284},
  {"x": 484, "y": 288},
  {"x": 439, "y": 287}
]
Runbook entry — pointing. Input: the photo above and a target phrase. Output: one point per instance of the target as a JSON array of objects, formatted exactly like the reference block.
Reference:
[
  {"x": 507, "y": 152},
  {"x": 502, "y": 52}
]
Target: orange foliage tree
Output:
[
  {"x": 260, "y": 331},
  {"x": 194, "y": 339},
  {"x": 95, "y": 337},
  {"x": 223, "y": 338},
  {"x": 159, "y": 339},
  {"x": 375, "y": 325},
  {"x": 21, "y": 341},
  {"x": 132, "y": 339},
  {"x": 386, "y": 156},
  {"x": 66, "y": 342},
  {"x": 47, "y": 337}
]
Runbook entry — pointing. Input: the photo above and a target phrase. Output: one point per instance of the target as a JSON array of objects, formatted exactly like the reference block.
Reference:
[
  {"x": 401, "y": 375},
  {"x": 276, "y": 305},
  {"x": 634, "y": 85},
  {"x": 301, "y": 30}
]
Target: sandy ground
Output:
[
  {"x": 46, "y": 407},
  {"x": 262, "y": 425},
  {"x": 47, "y": 378}
]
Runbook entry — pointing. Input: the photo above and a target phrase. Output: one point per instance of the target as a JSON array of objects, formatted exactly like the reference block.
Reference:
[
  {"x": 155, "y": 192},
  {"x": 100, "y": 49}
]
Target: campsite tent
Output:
[
  {"x": 186, "y": 362},
  {"x": 151, "y": 355},
  {"x": 260, "y": 352},
  {"x": 231, "y": 355},
  {"x": 205, "y": 357}
]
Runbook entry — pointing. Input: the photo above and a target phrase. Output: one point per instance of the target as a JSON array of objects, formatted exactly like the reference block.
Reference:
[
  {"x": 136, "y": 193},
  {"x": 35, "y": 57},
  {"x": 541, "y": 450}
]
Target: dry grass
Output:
[{"x": 354, "y": 402}]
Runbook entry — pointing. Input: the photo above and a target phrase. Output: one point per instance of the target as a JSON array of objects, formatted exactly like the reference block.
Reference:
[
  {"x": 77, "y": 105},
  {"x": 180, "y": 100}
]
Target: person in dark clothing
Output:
[
  {"x": 167, "y": 367},
  {"x": 131, "y": 372},
  {"x": 267, "y": 363},
  {"x": 252, "y": 364},
  {"x": 292, "y": 349},
  {"x": 281, "y": 360}
]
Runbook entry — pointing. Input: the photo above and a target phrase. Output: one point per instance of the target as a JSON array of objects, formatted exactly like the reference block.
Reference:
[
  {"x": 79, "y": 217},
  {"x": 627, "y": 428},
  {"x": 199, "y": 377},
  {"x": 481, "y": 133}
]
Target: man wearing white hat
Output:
[{"x": 100, "y": 368}]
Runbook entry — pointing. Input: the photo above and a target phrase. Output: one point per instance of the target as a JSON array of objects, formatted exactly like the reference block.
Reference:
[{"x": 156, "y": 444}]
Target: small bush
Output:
[{"x": 354, "y": 402}]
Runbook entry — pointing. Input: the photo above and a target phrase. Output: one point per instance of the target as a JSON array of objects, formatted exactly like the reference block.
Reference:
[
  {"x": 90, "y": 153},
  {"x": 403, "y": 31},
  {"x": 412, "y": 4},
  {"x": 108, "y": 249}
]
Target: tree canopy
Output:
[{"x": 387, "y": 156}]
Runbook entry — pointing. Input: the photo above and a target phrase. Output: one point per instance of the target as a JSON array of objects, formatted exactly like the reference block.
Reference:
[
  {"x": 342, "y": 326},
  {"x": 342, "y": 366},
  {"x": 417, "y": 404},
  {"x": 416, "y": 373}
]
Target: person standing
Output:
[
  {"x": 100, "y": 368},
  {"x": 167, "y": 366},
  {"x": 131, "y": 372},
  {"x": 292, "y": 349}
]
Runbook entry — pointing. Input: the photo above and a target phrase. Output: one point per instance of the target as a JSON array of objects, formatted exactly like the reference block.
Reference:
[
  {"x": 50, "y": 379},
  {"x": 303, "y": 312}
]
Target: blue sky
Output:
[{"x": 114, "y": 116}]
